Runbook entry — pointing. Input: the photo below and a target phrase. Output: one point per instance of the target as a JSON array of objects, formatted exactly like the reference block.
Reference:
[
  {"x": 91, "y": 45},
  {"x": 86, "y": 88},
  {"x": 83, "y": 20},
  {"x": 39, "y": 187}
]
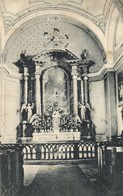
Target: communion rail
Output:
[{"x": 60, "y": 151}]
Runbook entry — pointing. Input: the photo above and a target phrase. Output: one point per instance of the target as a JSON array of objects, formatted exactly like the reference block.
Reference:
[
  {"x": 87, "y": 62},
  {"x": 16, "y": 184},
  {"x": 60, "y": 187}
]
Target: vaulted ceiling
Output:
[
  {"x": 16, "y": 6},
  {"x": 96, "y": 10},
  {"x": 25, "y": 23}
]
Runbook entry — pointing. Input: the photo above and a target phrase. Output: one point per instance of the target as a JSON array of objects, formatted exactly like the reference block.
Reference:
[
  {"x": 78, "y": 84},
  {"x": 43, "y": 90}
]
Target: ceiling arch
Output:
[
  {"x": 30, "y": 36},
  {"x": 66, "y": 13}
]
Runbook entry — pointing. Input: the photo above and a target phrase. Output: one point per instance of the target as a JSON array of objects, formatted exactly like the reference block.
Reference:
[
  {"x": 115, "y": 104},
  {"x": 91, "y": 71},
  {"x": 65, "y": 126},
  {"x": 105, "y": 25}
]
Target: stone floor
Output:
[{"x": 60, "y": 180}]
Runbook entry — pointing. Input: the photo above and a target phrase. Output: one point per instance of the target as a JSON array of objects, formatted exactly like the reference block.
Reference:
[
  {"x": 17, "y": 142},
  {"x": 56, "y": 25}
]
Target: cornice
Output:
[
  {"x": 119, "y": 62},
  {"x": 101, "y": 73},
  {"x": 9, "y": 72},
  {"x": 117, "y": 66}
]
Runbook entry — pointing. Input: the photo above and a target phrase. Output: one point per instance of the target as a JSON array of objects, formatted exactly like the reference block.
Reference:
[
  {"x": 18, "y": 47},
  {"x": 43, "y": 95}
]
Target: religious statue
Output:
[
  {"x": 82, "y": 108},
  {"x": 85, "y": 55},
  {"x": 23, "y": 55},
  {"x": 24, "y": 111},
  {"x": 27, "y": 111},
  {"x": 56, "y": 120},
  {"x": 87, "y": 112}
]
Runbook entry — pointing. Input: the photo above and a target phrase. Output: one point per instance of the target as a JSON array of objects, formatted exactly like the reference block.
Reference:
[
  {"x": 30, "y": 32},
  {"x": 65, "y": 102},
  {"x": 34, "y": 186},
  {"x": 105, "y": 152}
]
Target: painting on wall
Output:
[
  {"x": 56, "y": 89},
  {"x": 120, "y": 89}
]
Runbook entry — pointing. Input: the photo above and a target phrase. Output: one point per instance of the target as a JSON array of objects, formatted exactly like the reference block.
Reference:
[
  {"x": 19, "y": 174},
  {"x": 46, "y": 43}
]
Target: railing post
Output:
[
  {"x": 99, "y": 158},
  {"x": 38, "y": 152},
  {"x": 76, "y": 151}
]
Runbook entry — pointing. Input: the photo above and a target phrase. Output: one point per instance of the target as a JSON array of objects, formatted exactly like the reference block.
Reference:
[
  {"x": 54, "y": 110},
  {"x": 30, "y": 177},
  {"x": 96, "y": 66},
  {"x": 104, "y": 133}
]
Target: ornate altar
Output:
[{"x": 55, "y": 97}]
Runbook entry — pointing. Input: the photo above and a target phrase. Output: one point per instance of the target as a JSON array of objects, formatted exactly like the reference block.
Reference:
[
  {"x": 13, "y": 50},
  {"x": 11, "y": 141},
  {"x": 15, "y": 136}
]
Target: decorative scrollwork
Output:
[{"x": 8, "y": 22}]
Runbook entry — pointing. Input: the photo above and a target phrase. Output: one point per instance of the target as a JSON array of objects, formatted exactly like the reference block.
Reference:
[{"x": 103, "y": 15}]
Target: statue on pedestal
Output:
[
  {"x": 82, "y": 108},
  {"x": 56, "y": 120},
  {"x": 85, "y": 110},
  {"x": 26, "y": 111},
  {"x": 29, "y": 110}
]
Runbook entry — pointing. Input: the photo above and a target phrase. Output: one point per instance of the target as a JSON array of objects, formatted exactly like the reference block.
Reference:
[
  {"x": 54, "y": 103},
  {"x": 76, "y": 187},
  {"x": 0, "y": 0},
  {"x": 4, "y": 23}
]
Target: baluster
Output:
[
  {"x": 45, "y": 151},
  {"x": 65, "y": 151},
  {"x": 72, "y": 155},
  {"x": 42, "y": 152},
  {"x": 25, "y": 153},
  {"x": 57, "y": 151},
  {"x": 52, "y": 152},
  {"x": 87, "y": 145},
  {"x": 82, "y": 152},
  {"x": 68, "y": 151},
  {"x": 85, "y": 151},
  {"x": 91, "y": 145},
  {"x": 31, "y": 153},
  {"x": 89, "y": 150},
  {"x": 60, "y": 151},
  {"x": 49, "y": 151}
]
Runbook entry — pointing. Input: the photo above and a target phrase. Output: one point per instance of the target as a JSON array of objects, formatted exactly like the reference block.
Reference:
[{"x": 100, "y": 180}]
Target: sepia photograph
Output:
[{"x": 61, "y": 97}]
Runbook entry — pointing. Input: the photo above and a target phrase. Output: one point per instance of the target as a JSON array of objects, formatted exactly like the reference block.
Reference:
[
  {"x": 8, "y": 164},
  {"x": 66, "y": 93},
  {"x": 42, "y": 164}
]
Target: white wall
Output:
[
  {"x": 9, "y": 106},
  {"x": 97, "y": 100}
]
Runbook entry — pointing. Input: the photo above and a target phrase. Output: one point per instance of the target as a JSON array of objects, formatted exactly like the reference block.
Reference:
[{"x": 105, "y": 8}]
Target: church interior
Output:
[{"x": 61, "y": 97}]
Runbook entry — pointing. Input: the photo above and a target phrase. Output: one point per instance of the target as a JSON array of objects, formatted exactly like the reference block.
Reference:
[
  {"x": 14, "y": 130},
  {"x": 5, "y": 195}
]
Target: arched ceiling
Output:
[
  {"x": 30, "y": 29},
  {"x": 96, "y": 10},
  {"x": 38, "y": 34},
  {"x": 14, "y": 7}
]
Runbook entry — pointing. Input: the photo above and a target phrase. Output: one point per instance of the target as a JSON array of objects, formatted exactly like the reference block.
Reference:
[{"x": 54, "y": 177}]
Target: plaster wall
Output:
[
  {"x": 97, "y": 100},
  {"x": 9, "y": 106}
]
